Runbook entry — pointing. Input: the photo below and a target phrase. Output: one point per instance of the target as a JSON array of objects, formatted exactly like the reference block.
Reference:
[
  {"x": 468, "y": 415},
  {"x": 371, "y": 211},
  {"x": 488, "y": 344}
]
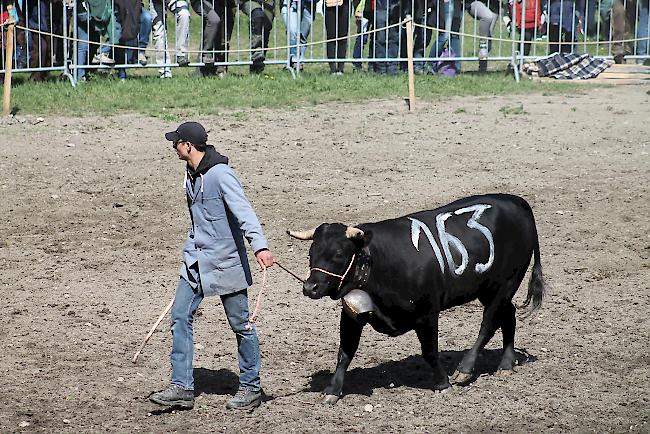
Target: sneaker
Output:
[
  {"x": 174, "y": 395},
  {"x": 142, "y": 59},
  {"x": 245, "y": 399},
  {"x": 182, "y": 60},
  {"x": 166, "y": 74},
  {"x": 221, "y": 71},
  {"x": 103, "y": 58}
]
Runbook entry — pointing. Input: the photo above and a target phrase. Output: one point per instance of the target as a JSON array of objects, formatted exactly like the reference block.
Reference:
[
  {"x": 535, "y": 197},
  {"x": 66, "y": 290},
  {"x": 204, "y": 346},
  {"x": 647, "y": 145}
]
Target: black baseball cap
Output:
[{"x": 192, "y": 132}]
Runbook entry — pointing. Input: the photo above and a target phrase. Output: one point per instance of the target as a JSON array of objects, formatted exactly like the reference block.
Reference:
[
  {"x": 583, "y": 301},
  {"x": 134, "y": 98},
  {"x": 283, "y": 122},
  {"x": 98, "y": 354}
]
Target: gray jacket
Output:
[{"x": 221, "y": 217}]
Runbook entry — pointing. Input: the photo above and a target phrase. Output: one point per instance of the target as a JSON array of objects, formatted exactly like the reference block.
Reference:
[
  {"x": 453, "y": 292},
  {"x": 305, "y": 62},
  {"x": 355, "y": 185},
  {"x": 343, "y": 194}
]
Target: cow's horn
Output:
[
  {"x": 353, "y": 233},
  {"x": 302, "y": 235}
]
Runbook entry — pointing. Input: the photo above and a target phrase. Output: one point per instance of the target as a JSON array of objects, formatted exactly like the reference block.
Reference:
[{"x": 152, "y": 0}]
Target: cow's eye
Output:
[{"x": 338, "y": 254}]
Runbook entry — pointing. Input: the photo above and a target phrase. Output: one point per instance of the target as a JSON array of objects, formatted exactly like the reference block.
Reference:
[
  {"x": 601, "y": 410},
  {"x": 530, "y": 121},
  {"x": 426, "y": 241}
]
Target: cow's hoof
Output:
[
  {"x": 504, "y": 372},
  {"x": 461, "y": 377},
  {"x": 330, "y": 399}
]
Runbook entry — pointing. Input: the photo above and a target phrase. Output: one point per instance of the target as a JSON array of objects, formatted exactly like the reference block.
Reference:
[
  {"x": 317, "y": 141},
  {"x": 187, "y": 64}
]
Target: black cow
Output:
[{"x": 399, "y": 274}]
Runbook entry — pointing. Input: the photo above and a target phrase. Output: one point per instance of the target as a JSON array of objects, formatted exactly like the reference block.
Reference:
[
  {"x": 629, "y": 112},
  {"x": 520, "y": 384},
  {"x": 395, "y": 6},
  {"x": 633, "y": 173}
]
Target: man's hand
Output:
[{"x": 265, "y": 258}]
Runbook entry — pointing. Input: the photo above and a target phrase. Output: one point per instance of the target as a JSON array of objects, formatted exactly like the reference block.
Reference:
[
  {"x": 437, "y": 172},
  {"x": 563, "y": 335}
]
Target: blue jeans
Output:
[
  {"x": 85, "y": 31},
  {"x": 236, "y": 307},
  {"x": 290, "y": 17}
]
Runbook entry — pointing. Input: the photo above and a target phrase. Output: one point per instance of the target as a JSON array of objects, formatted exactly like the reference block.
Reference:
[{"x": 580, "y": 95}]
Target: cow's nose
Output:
[{"x": 309, "y": 289}]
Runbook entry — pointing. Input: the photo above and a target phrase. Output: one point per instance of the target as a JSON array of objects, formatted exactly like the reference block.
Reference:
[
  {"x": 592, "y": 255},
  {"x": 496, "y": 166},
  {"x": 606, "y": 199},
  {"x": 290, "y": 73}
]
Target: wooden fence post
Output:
[
  {"x": 409, "y": 51},
  {"x": 6, "y": 96}
]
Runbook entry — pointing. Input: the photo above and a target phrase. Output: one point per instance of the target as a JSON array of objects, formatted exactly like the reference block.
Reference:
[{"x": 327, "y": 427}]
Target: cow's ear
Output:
[
  {"x": 359, "y": 237},
  {"x": 353, "y": 233}
]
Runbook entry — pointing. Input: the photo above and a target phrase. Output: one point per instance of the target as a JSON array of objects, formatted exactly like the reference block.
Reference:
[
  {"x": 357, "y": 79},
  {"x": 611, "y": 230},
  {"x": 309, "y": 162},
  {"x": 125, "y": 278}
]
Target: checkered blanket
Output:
[{"x": 571, "y": 66}]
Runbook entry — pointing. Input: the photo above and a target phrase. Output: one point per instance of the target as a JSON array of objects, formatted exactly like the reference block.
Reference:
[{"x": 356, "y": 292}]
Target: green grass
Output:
[
  {"x": 513, "y": 110},
  {"x": 238, "y": 93}
]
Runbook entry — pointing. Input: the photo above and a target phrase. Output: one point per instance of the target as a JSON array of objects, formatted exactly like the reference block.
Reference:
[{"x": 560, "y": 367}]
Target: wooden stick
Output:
[
  {"x": 153, "y": 329},
  {"x": 409, "y": 52},
  {"x": 6, "y": 97}
]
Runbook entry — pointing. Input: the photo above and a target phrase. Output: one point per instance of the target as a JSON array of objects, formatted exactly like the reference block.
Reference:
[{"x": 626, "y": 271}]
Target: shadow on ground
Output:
[{"x": 412, "y": 371}]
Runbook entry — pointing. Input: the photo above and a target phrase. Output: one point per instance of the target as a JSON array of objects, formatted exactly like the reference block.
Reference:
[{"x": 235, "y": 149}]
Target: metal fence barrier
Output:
[{"x": 75, "y": 38}]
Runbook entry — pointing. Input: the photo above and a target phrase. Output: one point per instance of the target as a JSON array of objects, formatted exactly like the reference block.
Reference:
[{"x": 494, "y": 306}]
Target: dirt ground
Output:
[{"x": 94, "y": 219}]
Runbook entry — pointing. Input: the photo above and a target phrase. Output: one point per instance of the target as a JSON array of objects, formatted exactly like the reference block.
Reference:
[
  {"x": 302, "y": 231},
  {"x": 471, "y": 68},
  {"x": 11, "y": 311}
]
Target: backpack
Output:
[{"x": 446, "y": 67}]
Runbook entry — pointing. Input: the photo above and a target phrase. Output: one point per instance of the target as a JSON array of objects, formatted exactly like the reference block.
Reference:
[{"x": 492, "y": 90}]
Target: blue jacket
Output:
[{"x": 221, "y": 217}]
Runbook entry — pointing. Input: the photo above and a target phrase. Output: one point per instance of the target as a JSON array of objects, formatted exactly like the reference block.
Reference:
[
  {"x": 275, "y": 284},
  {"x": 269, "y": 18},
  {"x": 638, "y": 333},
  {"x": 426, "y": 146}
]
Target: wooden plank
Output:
[
  {"x": 628, "y": 68},
  {"x": 619, "y": 75},
  {"x": 623, "y": 81}
]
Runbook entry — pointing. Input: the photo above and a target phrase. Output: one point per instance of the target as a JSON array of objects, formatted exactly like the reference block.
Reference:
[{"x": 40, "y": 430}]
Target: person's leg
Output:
[
  {"x": 306, "y": 21},
  {"x": 83, "y": 46},
  {"x": 114, "y": 30},
  {"x": 142, "y": 40},
  {"x": 528, "y": 36},
  {"x": 381, "y": 37},
  {"x": 342, "y": 31},
  {"x": 393, "y": 36},
  {"x": 553, "y": 38},
  {"x": 357, "y": 52},
  {"x": 618, "y": 24},
  {"x": 642, "y": 31},
  {"x": 330, "y": 32},
  {"x": 289, "y": 13},
  {"x": 180, "y": 392},
  {"x": 181, "y": 11},
  {"x": 487, "y": 20},
  {"x": 261, "y": 21},
  {"x": 248, "y": 347},
  {"x": 211, "y": 23},
  {"x": 419, "y": 36},
  {"x": 145, "y": 29},
  {"x": 159, "y": 35},
  {"x": 186, "y": 302}
]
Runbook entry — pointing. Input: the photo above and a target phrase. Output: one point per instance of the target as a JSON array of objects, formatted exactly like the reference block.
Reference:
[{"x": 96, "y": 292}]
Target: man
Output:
[{"x": 214, "y": 263}]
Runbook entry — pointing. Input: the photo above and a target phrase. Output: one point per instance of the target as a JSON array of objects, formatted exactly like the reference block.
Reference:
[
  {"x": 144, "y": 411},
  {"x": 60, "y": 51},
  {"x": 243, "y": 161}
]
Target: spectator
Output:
[
  {"x": 562, "y": 25},
  {"x": 625, "y": 25},
  {"x": 132, "y": 28},
  {"x": 448, "y": 17},
  {"x": 100, "y": 13},
  {"x": 337, "y": 23},
  {"x": 39, "y": 46},
  {"x": 487, "y": 19},
  {"x": 419, "y": 11},
  {"x": 387, "y": 13},
  {"x": 298, "y": 16},
  {"x": 86, "y": 32},
  {"x": 532, "y": 20},
  {"x": 364, "y": 15},
  {"x": 180, "y": 9},
  {"x": 642, "y": 32},
  {"x": 216, "y": 14},
  {"x": 261, "y": 14}
]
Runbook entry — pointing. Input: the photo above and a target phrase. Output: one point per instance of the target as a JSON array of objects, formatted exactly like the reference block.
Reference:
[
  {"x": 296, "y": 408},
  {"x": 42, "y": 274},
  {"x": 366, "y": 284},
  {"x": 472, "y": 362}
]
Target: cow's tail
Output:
[{"x": 536, "y": 285}]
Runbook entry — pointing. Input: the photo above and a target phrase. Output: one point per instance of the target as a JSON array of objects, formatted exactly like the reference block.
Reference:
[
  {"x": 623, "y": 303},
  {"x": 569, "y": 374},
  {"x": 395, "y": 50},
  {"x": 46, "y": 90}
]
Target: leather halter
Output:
[
  {"x": 360, "y": 276},
  {"x": 340, "y": 276}
]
